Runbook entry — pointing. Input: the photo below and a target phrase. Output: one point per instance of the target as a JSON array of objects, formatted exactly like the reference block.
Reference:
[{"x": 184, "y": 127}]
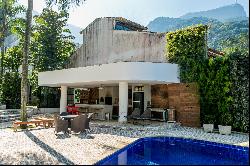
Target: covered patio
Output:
[{"x": 122, "y": 85}]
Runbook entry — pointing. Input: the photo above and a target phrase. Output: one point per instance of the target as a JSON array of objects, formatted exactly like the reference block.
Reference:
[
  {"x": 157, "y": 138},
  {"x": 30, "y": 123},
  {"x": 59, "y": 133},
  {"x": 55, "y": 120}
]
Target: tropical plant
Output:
[{"x": 8, "y": 14}]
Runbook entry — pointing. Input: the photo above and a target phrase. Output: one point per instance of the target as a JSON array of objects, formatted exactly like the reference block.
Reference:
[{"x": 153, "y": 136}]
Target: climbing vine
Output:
[
  {"x": 187, "y": 48},
  {"x": 222, "y": 81}
]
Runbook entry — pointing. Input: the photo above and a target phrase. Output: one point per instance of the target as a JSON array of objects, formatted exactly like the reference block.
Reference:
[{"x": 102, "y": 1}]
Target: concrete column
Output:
[
  {"x": 63, "y": 99},
  {"x": 123, "y": 101}
]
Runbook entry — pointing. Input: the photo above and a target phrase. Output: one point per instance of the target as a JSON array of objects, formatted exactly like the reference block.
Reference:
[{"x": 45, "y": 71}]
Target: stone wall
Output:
[
  {"x": 102, "y": 45},
  {"x": 183, "y": 97}
]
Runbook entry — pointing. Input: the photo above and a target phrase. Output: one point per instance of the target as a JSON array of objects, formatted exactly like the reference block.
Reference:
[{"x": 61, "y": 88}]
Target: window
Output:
[{"x": 121, "y": 26}]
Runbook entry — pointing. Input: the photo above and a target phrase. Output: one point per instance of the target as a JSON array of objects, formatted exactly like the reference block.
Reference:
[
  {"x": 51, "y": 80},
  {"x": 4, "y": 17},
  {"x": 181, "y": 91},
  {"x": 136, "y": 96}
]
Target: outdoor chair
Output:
[
  {"x": 60, "y": 125},
  {"x": 145, "y": 116},
  {"x": 80, "y": 123},
  {"x": 135, "y": 114},
  {"x": 88, "y": 121}
]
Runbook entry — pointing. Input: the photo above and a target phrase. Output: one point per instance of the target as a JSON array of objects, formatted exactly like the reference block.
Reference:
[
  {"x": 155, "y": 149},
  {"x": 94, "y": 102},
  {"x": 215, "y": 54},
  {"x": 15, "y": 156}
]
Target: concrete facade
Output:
[
  {"x": 122, "y": 57},
  {"x": 102, "y": 44}
]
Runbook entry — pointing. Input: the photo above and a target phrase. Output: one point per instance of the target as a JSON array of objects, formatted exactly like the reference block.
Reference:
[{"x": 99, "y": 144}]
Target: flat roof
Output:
[{"x": 113, "y": 73}]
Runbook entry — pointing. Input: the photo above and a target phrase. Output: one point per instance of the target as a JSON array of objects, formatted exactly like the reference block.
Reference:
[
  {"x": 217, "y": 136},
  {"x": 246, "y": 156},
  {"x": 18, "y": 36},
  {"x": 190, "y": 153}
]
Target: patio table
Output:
[{"x": 69, "y": 117}]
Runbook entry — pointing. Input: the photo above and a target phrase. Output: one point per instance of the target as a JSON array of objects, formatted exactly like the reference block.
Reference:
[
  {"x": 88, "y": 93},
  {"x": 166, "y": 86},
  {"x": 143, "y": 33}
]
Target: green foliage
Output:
[
  {"x": 52, "y": 44},
  {"x": 220, "y": 32},
  {"x": 63, "y": 4},
  {"x": 11, "y": 90},
  {"x": 226, "y": 118},
  {"x": 214, "y": 83},
  {"x": 209, "y": 119},
  {"x": 187, "y": 48},
  {"x": 223, "y": 81},
  {"x": 11, "y": 82},
  {"x": 239, "y": 73},
  {"x": 13, "y": 59}
]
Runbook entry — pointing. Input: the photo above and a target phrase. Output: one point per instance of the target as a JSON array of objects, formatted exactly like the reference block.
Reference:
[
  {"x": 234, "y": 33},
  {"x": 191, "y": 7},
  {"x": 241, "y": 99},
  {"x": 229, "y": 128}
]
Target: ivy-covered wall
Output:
[
  {"x": 239, "y": 73},
  {"x": 188, "y": 49},
  {"x": 222, "y": 81}
]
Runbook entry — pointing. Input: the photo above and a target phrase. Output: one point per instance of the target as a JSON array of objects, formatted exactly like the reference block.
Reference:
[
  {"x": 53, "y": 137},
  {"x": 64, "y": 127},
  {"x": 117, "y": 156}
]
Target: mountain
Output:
[
  {"x": 232, "y": 25},
  {"x": 166, "y": 24},
  {"x": 222, "y": 31},
  {"x": 224, "y": 13}
]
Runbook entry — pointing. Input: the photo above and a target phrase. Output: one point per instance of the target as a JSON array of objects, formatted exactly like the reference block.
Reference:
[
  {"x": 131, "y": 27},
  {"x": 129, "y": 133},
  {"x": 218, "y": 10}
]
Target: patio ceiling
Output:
[{"x": 110, "y": 74}]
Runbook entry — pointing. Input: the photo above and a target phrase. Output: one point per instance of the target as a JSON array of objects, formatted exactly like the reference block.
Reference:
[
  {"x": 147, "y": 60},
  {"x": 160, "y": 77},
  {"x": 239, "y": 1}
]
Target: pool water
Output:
[{"x": 177, "y": 151}]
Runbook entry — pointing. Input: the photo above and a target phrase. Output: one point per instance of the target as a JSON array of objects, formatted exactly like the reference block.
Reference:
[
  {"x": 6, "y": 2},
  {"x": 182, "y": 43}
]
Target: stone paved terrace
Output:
[{"x": 41, "y": 146}]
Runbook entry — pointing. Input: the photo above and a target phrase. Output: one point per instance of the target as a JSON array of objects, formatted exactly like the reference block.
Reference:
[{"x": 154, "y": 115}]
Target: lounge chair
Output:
[
  {"x": 135, "y": 114},
  {"x": 60, "y": 125},
  {"x": 80, "y": 123},
  {"x": 145, "y": 116}
]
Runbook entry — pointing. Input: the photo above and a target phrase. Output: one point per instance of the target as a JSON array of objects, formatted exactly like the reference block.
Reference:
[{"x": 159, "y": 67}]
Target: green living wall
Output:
[{"x": 222, "y": 81}]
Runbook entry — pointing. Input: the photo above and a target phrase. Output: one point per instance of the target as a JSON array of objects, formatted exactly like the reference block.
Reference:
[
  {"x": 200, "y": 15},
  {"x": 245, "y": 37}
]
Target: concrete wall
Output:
[
  {"x": 102, "y": 45},
  {"x": 135, "y": 46}
]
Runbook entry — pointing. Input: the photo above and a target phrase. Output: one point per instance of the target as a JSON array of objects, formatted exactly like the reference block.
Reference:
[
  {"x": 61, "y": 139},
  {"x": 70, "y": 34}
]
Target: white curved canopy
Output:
[{"x": 113, "y": 73}]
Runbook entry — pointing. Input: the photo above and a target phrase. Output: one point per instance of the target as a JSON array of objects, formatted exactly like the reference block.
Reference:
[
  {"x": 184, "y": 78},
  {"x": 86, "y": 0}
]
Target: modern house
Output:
[{"x": 122, "y": 66}]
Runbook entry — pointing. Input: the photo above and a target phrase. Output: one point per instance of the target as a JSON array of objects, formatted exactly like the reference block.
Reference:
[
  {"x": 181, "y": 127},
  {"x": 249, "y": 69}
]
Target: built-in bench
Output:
[{"x": 38, "y": 122}]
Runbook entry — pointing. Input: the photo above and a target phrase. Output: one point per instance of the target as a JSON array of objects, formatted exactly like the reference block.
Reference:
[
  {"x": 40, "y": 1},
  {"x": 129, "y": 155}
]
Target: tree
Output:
[
  {"x": 51, "y": 47},
  {"x": 64, "y": 4},
  {"x": 11, "y": 79},
  {"x": 24, "y": 82},
  {"x": 52, "y": 43},
  {"x": 8, "y": 14}
]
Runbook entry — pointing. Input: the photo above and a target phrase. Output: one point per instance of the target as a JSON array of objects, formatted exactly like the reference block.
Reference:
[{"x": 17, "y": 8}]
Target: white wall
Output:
[{"x": 131, "y": 72}]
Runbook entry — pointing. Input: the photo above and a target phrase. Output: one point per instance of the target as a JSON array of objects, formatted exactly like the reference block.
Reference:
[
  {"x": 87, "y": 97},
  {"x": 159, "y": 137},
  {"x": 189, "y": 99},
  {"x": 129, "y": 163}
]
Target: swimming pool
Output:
[{"x": 177, "y": 151}]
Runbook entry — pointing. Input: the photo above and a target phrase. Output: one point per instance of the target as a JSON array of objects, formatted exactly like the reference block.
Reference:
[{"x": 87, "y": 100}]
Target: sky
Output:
[{"x": 140, "y": 11}]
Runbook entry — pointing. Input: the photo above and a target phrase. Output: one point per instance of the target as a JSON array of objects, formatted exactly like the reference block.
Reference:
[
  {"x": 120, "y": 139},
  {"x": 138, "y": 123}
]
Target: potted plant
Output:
[
  {"x": 208, "y": 125},
  {"x": 226, "y": 119}
]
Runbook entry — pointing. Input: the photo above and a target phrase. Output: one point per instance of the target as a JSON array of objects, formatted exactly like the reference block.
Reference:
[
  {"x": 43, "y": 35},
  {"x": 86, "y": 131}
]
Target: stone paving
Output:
[{"x": 41, "y": 146}]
